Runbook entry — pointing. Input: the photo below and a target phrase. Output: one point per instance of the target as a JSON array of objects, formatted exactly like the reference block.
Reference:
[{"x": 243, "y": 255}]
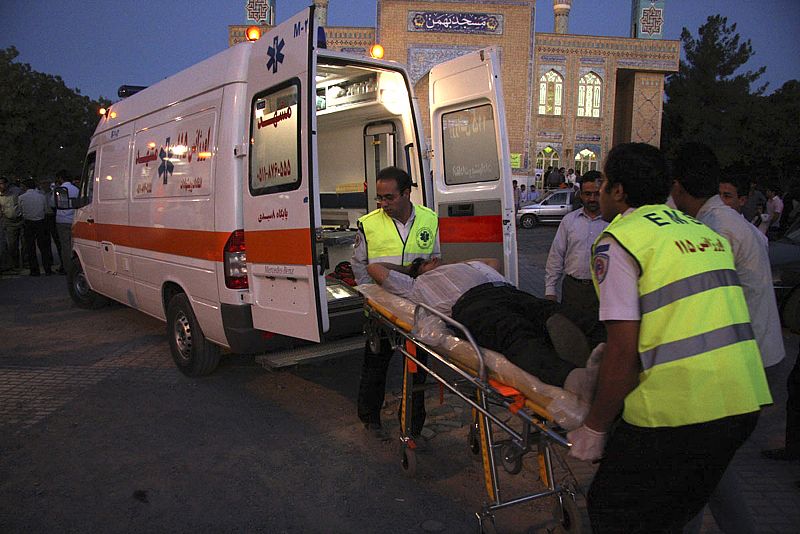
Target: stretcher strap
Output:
[{"x": 508, "y": 391}]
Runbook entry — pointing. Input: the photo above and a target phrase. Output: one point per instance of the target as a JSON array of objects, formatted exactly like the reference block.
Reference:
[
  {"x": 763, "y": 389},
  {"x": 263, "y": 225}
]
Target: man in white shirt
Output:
[
  {"x": 568, "y": 263},
  {"x": 64, "y": 220},
  {"x": 697, "y": 179},
  {"x": 774, "y": 211},
  {"x": 696, "y": 172},
  {"x": 34, "y": 206}
]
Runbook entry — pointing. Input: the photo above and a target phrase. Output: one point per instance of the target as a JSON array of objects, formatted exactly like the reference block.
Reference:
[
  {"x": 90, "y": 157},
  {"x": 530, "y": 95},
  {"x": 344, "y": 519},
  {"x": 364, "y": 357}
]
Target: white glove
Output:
[{"x": 587, "y": 444}]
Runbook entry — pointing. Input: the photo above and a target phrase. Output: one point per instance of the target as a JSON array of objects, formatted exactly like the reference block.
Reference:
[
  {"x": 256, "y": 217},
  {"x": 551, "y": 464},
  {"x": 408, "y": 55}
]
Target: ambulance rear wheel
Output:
[
  {"x": 193, "y": 354},
  {"x": 79, "y": 290}
]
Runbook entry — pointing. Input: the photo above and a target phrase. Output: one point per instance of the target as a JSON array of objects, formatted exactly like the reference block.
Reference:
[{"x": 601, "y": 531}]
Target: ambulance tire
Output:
[
  {"x": 193, "y": 354},
  {"x": 79, "y": 290}
]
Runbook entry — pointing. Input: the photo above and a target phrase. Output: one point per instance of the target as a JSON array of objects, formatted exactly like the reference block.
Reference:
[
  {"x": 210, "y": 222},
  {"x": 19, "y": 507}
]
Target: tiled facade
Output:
[{"x": 421, "y": 34}]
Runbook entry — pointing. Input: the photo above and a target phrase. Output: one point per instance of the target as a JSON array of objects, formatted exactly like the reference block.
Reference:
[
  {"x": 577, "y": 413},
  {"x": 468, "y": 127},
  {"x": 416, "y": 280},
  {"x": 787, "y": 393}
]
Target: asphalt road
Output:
[{"x": 100, "y": 433}]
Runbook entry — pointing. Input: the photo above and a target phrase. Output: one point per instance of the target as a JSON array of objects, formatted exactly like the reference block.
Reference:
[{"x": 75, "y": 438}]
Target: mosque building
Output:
[{"x": 569, "y": 98}]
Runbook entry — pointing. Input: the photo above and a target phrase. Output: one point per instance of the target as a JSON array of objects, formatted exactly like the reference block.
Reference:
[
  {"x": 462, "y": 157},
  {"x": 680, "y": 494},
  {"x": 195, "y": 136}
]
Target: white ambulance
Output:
[{"x": 221, "y": 198}]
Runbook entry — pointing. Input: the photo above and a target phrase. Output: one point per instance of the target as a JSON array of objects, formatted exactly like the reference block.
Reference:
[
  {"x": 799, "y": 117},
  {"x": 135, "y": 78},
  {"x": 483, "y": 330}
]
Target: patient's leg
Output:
[{"x": 495, "y": 320}]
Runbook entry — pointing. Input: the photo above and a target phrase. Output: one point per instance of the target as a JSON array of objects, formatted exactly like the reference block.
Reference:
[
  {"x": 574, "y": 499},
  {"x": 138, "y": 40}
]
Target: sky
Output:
[{"x": 98, "y": 45}]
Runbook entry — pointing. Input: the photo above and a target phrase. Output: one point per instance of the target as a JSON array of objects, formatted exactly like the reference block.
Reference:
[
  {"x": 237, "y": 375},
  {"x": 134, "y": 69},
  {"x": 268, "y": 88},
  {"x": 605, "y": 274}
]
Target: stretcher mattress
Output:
[{"x": 556, "y": 404}]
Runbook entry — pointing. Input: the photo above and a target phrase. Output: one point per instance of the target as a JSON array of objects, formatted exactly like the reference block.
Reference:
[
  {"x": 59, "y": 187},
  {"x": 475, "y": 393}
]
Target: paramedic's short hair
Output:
[
  {"x": 740, "y": 181},
  {"x": 397, "y": 174},
  {"x": 642, "y": 171},
  {"x": 696, "y": 168}
]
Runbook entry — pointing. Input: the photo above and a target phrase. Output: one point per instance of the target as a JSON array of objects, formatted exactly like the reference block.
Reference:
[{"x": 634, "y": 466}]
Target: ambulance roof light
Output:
[
  {"x": 376, "y": 51},
  {"x": 102, "y": 111},
  {"x": 253, "y": 33},
  {"x": 322, "y": 40}
]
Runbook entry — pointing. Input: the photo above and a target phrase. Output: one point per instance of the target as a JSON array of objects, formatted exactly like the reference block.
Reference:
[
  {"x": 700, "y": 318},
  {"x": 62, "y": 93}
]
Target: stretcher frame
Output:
[{"x": 482, "y": 438}]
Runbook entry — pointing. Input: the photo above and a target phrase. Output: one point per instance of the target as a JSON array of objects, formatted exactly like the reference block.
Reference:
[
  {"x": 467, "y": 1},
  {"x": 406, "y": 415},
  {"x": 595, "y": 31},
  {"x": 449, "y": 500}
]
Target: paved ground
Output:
[{"x": 99, "y": 432}]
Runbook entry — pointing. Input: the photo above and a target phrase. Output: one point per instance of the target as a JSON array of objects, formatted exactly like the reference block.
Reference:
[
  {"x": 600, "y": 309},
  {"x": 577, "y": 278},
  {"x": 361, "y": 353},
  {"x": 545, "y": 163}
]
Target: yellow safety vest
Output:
[
  {"x": 699, "y": 359},
  {"x": 384, "y": 243}
]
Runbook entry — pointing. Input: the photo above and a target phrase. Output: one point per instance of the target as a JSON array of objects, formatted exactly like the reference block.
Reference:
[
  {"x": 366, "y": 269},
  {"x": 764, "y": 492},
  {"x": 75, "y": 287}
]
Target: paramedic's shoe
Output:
[
  {"x": 376, "y": 431},
  {"x": 781, "y": 454},
  {"x": 568, "y": 340}
]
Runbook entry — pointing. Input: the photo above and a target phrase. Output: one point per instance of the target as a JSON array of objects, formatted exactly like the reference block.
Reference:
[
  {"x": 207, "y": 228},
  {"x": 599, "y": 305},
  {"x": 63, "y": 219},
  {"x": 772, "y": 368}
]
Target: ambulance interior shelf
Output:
[{"x": 342, "y": 93}]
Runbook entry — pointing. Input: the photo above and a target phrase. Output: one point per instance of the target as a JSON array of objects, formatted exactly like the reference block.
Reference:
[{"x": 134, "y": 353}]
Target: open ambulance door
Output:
[
  {"x": 471, "y": 167},
  {"x": 281, "y": 213}
]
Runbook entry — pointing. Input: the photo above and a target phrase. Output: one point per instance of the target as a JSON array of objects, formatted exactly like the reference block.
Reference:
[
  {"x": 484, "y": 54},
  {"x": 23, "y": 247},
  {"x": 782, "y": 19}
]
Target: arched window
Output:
[
  {"x": 547, "y": 157},
  {"x": 585, "y": 161},
  {"x": 589, "y": 88},
  {"x": 550, "y": 91}
]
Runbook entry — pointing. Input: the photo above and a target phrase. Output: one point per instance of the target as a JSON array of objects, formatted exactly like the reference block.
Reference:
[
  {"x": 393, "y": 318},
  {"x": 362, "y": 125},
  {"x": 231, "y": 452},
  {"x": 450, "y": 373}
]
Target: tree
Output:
[
  {"x": 707, "y": 100},
  {"x": 46, "y": 125}
]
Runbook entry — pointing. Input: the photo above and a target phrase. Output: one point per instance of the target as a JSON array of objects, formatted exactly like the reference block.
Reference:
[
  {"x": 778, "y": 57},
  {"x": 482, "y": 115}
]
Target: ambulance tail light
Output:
[{"x": 235, "y": 260}]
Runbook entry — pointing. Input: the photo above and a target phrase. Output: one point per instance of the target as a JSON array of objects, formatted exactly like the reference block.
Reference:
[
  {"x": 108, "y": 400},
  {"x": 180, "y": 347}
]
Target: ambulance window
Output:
[
  {"x": 470, "y": 146},
  {"x": 87, "y": 179},
  {"x": 275, "y": 139}
]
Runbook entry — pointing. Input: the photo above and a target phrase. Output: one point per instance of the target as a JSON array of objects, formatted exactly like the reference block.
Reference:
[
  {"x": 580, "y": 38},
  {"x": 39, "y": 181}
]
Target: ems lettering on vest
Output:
[{"x": 662, "y": 218}]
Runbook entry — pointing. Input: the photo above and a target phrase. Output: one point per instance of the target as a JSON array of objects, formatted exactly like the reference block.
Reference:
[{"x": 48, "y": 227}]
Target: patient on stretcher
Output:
[{"x": 504, "y": 318}]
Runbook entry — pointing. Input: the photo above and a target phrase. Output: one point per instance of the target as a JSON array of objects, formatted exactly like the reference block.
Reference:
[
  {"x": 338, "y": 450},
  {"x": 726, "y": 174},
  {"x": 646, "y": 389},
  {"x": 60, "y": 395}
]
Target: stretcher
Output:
[{"x": 492, "y": 386}]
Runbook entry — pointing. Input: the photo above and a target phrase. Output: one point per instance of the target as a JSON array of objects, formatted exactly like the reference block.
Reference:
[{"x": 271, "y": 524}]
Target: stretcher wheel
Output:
[
  {"x": 409, "y": 462},
  {"x": 511, "y": 457},
  {"x": 567, "y": 515}
]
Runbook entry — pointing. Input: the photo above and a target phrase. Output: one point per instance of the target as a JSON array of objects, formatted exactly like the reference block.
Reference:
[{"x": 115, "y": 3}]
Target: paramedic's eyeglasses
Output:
[{"x": 388, "y": 198}]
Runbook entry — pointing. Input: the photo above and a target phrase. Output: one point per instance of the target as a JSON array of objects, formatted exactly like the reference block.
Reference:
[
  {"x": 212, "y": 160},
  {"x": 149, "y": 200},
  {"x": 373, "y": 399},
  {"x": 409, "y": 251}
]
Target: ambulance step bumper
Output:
[{"x": 310, "y": 353}]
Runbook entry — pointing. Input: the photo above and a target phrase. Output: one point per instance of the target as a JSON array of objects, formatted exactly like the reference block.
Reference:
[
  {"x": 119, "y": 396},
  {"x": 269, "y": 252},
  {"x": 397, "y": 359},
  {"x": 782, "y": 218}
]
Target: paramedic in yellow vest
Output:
[
  {"x": 681, "y": 362},
  {"x": 397, "y": 232}
]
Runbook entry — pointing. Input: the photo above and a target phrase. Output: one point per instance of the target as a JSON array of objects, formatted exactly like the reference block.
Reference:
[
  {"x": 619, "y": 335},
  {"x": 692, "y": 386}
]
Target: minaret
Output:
[
  {"x": 561, "y": 11},
  {"x": 321, "y": 10}
]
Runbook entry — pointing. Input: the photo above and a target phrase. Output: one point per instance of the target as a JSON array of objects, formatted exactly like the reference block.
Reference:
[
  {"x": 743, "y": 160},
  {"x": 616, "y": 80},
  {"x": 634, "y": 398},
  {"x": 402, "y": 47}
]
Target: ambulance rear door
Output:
[
  {"x": 471, "y": 167},
  {"x": 281, "y": 211}
]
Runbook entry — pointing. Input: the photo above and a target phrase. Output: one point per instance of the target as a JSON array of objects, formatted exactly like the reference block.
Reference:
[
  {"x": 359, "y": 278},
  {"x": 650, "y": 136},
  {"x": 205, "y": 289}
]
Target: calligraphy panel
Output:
[{"x": 449, "y": 22}]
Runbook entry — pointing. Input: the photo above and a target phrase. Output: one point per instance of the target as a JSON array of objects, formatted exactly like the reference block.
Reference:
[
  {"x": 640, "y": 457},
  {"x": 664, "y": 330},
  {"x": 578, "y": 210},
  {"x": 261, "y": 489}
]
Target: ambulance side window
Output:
[
  {"x": 470, "y": 146},
  {"x": 87, "y": 180},
  {"x": 275, "y": 139}
]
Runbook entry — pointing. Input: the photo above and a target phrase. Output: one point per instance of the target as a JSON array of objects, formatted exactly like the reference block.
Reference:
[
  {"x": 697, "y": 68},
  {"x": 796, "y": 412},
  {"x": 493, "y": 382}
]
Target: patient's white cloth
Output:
[{"x": 441, "y": 287}]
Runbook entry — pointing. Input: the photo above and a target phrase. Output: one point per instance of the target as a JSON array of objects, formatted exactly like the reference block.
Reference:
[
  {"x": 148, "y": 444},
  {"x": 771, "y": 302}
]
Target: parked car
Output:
[
  {"x": 784, "y": 256},
  {"x": 551, "y": 208}
]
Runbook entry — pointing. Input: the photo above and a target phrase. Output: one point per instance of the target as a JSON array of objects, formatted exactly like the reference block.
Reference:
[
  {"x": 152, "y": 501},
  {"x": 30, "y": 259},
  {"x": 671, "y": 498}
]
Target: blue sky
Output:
[{"x": 97, "y": 45}]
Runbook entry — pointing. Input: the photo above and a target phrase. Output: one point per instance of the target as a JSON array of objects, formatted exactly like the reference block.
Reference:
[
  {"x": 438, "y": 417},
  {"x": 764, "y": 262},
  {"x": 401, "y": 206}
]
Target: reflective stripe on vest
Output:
[
  {"x": 698, "y": 356},
  {"x": 384, "y": 243}
]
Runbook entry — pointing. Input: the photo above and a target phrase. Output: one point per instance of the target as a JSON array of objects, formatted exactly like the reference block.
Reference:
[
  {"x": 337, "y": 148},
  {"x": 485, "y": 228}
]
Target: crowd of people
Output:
[
  {"x": 31, "y": 226},
  {"x": 675, "y": 393}
]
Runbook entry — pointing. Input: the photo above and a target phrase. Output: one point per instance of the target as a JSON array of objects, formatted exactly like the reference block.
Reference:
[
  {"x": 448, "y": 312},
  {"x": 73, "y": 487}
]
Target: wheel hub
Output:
[{"x": 183, "y": 336}]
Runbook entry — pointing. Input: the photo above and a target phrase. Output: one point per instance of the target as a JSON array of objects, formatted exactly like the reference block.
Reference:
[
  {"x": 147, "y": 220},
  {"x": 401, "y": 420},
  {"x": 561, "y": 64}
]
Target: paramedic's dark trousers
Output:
[
  {"x": 512, "y": 322},
  {"x": 372, "y": 388},
  {"x": 657, "y": 479}
]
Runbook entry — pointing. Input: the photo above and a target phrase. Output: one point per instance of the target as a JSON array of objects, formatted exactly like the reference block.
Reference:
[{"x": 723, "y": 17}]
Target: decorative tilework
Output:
[{"x": 422, "y": 58}]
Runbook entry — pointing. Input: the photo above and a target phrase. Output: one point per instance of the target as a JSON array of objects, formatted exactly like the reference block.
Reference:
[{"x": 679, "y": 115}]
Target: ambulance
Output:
[{"x": 221, "y": 199}]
